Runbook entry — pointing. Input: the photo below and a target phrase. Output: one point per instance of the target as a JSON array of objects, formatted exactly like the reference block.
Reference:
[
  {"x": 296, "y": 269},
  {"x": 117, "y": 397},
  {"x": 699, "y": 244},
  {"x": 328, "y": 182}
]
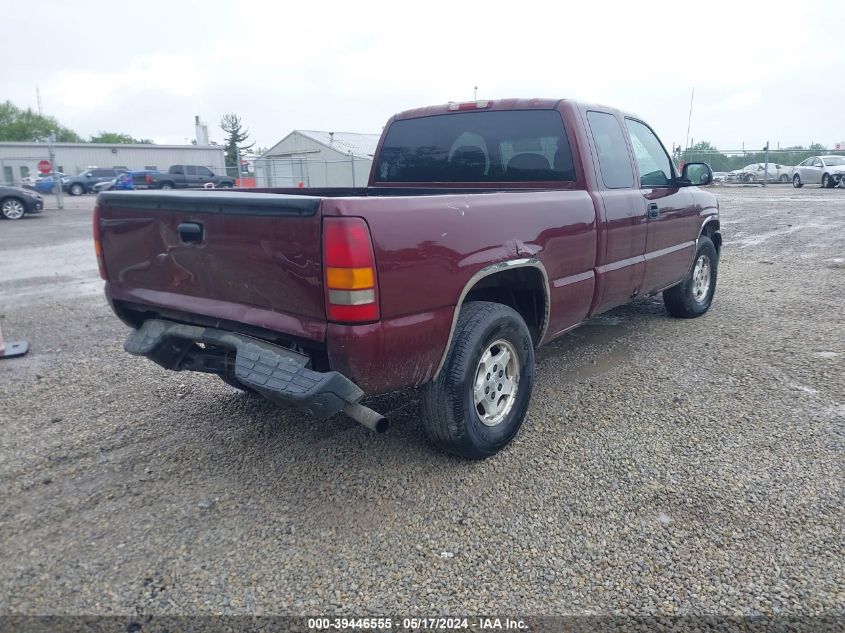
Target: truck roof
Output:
[{"x": 487, "y": 105}]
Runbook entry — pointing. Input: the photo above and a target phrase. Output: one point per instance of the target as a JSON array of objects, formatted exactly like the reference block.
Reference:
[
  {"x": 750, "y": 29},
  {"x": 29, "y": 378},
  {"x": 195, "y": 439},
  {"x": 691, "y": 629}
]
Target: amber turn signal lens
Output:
[{"x": 349, "y": 278}]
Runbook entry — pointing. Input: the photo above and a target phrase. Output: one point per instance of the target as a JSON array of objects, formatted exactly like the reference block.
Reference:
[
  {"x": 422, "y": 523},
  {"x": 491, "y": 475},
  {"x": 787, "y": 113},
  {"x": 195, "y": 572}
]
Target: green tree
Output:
[
  {"x": 233, "y": 126},
  {"x": 17, "y": 124},
  {"x": 117, "y": 137}
]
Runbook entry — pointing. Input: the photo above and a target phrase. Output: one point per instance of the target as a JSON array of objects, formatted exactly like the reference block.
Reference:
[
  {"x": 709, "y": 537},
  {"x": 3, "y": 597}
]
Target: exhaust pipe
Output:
[{"x": 367, "y": 417}]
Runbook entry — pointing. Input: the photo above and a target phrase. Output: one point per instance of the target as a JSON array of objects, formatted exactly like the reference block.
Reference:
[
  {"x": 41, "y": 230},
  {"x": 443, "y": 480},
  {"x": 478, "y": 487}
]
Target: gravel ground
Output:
[{"x": 666, "y": 466}]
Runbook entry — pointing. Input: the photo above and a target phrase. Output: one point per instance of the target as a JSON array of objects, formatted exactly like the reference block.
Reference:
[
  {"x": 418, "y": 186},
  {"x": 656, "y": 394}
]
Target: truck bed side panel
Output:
[{"x": 428, "y": 247}]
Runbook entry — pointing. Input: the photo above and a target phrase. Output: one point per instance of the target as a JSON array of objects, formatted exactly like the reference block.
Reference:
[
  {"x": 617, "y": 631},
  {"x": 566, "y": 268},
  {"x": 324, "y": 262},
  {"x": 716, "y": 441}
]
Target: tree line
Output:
[{"x": 24, "y": 126}]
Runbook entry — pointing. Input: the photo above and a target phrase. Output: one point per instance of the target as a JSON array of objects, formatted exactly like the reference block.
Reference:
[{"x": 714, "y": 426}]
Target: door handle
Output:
[
  {"x": 653, "y": 210},
  {"x": 190, "y": 232}
]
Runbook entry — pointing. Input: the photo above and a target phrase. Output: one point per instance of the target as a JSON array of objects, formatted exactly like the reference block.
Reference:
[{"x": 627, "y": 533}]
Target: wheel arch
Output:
[
  {"x": 710, "y": 228},
  {"x": 521, "y": 284}
]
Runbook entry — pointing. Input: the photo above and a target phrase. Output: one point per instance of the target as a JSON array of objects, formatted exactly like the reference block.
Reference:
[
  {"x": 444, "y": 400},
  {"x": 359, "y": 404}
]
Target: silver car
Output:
[{"x": 827, "y": 171}]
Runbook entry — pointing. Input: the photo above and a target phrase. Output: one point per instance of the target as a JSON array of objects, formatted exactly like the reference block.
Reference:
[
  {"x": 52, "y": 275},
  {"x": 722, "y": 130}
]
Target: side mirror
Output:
[{"x": 696, "y": 174}]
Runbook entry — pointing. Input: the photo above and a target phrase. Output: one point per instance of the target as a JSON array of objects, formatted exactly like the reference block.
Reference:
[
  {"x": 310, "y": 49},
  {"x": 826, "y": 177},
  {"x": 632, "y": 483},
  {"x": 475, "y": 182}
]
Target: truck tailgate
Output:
[{"x": 247, "y": 257}]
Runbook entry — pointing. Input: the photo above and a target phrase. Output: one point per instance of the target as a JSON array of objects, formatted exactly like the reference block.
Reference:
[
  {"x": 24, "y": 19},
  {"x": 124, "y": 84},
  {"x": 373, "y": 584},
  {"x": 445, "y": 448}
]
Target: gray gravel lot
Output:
[{"x": 666, "y": 466}]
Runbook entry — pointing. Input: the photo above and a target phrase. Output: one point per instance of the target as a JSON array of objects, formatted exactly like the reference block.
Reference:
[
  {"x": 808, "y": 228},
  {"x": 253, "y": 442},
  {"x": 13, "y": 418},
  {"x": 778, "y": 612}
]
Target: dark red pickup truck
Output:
[{"x": 487, "y": 229}]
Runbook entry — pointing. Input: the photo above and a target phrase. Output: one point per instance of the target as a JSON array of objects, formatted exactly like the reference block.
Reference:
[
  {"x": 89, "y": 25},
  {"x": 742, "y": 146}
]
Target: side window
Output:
[
  {"x": 652, "y": 160},
  {"x": 817, "y": 162},
  {"x": 614, "y": 161},
  {"x": 203, "y": 171},
  {"x": 190, "y": 170},
  {"x": 177, "y": 169}
]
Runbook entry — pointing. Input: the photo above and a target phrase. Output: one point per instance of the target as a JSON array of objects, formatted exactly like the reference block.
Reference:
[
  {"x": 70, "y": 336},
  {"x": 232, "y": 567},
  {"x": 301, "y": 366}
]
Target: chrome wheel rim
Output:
[
  {"x": 13, "y": 209},
  {"x": 701, "y": 278},
  {"x": 496, "y": 382}
]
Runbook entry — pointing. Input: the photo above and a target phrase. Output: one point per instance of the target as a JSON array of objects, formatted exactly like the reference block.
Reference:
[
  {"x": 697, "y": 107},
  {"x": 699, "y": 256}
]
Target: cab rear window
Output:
[{"x": 510, "y": 146}]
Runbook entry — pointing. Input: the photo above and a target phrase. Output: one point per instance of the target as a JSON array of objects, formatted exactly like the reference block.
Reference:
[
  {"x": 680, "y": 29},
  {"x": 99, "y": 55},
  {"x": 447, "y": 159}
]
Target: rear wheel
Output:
[
  {"x": 796, "y": 181},
  {"x": 692, "y": 297},
  {"x": 783, "y": 178},
  {"x": 476, "y": 405},
  {"x": 12, "y": 209},
  {"x": 827, "y": 182},
  {"x": 166, "y": 185}
]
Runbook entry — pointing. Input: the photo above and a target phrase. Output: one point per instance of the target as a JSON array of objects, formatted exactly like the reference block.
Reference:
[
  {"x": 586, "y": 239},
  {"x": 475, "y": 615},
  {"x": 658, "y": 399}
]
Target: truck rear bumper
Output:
[{"x": 279, "y": 374}]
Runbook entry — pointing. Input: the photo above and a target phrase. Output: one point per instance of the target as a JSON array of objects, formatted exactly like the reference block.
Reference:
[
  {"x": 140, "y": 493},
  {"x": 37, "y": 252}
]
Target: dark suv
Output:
[{"x": 84, "y": 182}]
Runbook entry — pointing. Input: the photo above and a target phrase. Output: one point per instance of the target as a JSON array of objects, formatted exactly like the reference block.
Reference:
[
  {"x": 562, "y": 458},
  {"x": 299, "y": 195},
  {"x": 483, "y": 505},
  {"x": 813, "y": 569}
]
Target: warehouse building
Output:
[
  {"x": 19, "y": 161},
  {"x": 310, "y": 158}
]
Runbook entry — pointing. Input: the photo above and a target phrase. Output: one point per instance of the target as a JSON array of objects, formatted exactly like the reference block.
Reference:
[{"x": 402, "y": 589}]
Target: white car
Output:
[
  {"x": 755, "y": 173},
  {"x": 827, "y": 171}
]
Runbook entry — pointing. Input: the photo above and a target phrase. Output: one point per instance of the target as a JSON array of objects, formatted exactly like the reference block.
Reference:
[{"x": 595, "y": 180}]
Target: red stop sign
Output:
[{"x": 44, "y": 166}]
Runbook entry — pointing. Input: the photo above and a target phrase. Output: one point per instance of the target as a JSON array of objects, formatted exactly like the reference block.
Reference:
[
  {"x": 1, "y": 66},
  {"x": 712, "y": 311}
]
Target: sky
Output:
[{"x": 762, "y": 71}]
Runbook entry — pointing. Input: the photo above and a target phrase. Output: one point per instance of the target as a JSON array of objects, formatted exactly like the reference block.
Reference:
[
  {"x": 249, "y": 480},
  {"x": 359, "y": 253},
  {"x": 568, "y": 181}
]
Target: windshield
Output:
[
  {"x": 833, "y": 160},
  {"x": 510, "y": 146}
]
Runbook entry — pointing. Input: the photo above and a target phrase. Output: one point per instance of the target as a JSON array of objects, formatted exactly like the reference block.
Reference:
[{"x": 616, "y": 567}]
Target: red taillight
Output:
[
  {"x": 148, "y": 178},
  {"x": 98, "y": 248},
  {"x": 349, "y": 271}
]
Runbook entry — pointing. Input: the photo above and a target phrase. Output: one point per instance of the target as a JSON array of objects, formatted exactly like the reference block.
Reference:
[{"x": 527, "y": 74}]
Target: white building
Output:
[
  {"x": 317, "y": 159},
  {"x": 20, "y": 160}
]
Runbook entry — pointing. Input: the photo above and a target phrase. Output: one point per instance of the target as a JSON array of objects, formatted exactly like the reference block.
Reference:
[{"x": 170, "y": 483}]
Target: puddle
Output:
[
  {"x": 593, "y": 348},
  {"x": 826, "y": 355}
]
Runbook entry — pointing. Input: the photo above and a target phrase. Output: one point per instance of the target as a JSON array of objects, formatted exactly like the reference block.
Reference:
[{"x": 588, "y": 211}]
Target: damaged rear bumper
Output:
[{"x": 279, "y": 374}]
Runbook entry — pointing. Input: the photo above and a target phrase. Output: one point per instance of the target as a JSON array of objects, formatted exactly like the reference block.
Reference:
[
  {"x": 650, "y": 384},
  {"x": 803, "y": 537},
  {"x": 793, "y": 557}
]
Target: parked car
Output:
[
  {"x": 719, "y": 176},
  {"x": 15, "y": 202},
  {"x": 827, "y": 171},
  {"x": 45, "y": 183},
  {"x": 122, "y": 182},
  {"x": 475, "y": 241},
  {"x": 84, "y": 182},
  {"x": 755, "y": 173},
  {"x": 187, "y": 176}
]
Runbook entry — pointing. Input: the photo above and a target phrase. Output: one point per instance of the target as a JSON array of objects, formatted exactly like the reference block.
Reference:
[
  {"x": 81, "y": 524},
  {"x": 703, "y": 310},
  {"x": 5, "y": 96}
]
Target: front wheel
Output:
[
  {"x": 796, "y": 181},
  {"x": 476, "y": 405},
  {"x": 76, "y": 189},
  {"x": 12, "y": 209},
  {"x": 692, "y": 297}
]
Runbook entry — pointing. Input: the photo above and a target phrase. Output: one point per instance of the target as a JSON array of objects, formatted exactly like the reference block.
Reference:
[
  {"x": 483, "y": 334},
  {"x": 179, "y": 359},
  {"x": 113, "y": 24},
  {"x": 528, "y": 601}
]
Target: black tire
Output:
[
  {"x": 796, "y": 181},
  {"x": 230, "y": 380},
  {"x": 783, "y": 178},
  {"x": 166, "y": 185},
  {"x": 76, "y": 189},
  {"x": 226, "y": 185},
  {"x": 827, "y": 182},
  {"x": 683, "y": 301},
  {"x": 449, "y": 408}
]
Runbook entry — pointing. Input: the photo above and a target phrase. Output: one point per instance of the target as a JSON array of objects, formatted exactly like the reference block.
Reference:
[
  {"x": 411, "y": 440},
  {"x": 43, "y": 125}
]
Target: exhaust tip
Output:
[{"x": 367, "y": 417}]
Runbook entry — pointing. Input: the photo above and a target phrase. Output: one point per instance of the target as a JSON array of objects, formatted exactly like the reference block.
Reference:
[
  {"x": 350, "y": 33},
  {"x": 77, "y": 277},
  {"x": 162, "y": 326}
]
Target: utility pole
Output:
[
  {"x": 57, "y": 181},
  {"x": 475, "y": 93},
  {"x": 766, "y": 166}
]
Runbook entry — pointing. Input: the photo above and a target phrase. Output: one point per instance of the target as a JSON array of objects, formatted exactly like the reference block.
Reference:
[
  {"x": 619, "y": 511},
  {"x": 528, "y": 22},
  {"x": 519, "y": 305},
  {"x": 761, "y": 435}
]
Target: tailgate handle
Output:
[{"x": 190, "y": 232}]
